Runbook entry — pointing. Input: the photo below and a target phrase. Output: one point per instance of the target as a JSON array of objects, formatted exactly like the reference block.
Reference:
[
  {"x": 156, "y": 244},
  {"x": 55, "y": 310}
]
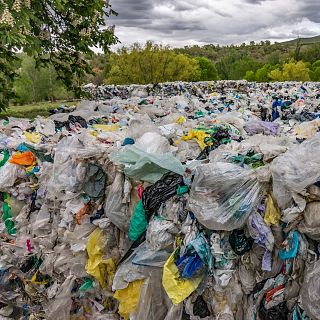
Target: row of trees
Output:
[{"x": 153, "y": 63}]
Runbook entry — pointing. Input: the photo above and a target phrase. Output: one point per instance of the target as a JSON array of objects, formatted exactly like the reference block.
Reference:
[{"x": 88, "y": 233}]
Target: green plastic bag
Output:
[
  {"x": 138, "y": 223},
  {"x": 6, "y": 157},
  {"x": 7, "y": 217}
]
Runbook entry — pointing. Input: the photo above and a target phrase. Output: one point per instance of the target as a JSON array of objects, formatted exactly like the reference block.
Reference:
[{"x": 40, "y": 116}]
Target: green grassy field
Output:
[{"x": 33, "y": 110}]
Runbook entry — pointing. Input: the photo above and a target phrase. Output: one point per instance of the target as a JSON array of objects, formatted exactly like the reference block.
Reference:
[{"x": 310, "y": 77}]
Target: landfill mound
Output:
[{"x": 173, "y": 201}]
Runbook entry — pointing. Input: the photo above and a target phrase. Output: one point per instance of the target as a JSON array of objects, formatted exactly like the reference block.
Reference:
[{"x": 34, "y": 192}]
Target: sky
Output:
[{"x": 185, "y": 22}]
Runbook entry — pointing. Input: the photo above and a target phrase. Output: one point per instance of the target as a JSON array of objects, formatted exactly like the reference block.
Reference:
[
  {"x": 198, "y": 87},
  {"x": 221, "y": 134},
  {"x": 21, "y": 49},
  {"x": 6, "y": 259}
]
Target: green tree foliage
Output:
[
  {"x": 55, "y": 32},
  {"x": 151, "y": 63},
  {"x": 101, "y": 67},
  {"x": 261, "y": 75},
  {"x": 315, "y": 71},
  {"x": 224, "y": 66},
  {"x": 240, "y": 67},
  {"x": 311, "y": 53},
  {"x": 34, "y": 85},
  {"x": 208, "y": 70},
  {"x": 250, "y": 76},
  {"x": 291, "y": 71}
]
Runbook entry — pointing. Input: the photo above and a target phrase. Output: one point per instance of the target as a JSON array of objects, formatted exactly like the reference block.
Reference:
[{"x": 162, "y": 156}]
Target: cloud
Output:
[{"x": 183, "y": 22}]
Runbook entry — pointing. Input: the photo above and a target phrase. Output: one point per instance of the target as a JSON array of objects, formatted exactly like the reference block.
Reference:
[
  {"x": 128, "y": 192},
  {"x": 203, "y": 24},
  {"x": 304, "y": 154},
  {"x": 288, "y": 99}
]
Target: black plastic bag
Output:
[
  {"x": 77, "y": 119},
  {"x": 200, "y": 308},
  {"x": 160, "y": 192},
  {"x": 239, "y": 242},
  {"x": 279, "y": 312}
]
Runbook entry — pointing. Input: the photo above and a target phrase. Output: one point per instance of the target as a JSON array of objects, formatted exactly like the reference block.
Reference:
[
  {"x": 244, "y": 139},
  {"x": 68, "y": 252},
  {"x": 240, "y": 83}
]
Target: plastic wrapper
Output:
[{"x": 223, "y": 195}]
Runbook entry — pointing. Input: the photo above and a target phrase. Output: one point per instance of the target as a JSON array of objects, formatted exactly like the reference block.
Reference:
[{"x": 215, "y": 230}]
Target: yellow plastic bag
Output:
[
  {"x": 272, "y": 215},
  {"x": 106, "y": 127},
  {"x": 35, "y": 281},
  {"x": 128, "y": 298},
  {"x": 96, "y": 266},
  {"x": 181, "y": 120},
  {"x": 198, "y": 135},
  {"x": 177, "y": 289},
  {"x": 33, "y": 137}
]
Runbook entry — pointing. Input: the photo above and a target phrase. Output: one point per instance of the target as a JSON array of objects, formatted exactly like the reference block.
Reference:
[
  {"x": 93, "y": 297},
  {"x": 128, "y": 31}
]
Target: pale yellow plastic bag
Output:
[
  {"x": 106, "y": 127},
  {"x": 272, "y": 215},
  {"x": 181, "y": 120},
  {"x": 97, "y": 266},
  {"x": 129, "y": 298},
  {"x": 33, "y": 137},
  {"x": 177, "y": 289}
]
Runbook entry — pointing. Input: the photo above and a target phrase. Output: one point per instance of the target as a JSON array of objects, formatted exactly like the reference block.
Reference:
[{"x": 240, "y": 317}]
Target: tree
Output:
[
  {"x": 240, "y": 67},
  {"x": 208, "y": 70},
  {"x": 262, "y": 74},
  {"x": 34, "y": 85},
  {"x": 55, "y": 32},
  {"x": 297, "y": 50},
  {"x": 291, "y": 71},
  {"x": 151, "y": 63},
  {"x": 101, "y": 67},
  {"x": 250, "y": 76},
  {"x": 312, "y": 53},
  {"x": 274, "y": 57},
  {"x": 315, "y": 71}
]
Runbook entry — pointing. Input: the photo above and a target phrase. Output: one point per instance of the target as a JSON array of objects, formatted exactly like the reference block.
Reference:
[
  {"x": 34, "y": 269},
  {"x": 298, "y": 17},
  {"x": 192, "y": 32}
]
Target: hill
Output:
[{"x": 303, "y": 41}]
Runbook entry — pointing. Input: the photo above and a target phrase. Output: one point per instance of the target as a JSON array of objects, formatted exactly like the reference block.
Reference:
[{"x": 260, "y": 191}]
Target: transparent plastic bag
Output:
[
  {"x": 9, "y": 173},
  {"x": 295, "y": 170},
  {"x": 160, "y": 233},
  {"x": 153, "y": 304},
  {"x": 310, "y": 291},
  {"x": 116, "y": 210},
  {"x": 175, "y": 312},
  {"x": 311, "y": 223},
  {"x": 59, "y": 308},
  {"x": 223, "y": 195}
]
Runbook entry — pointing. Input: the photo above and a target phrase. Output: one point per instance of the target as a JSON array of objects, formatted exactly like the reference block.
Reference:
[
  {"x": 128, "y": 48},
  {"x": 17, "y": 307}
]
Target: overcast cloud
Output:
[{"x": 185, "y": 22}]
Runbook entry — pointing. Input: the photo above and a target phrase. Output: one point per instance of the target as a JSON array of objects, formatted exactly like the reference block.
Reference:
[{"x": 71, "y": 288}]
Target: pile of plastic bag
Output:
[{"x": 179, "y": 201}]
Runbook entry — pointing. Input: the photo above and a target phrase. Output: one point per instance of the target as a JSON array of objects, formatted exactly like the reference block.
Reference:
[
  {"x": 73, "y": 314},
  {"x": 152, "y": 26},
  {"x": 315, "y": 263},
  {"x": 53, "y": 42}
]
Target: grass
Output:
[{"x": 31, "y": 111}]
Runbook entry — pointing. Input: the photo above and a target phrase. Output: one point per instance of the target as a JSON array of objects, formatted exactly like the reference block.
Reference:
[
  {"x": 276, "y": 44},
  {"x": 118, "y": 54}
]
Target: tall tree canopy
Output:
[
  {"x": 151, "y": 64},
  {"x": 291, "y": 71},
  {"x": 208, "y": 70},
  {"x": 56, "y": 32}
]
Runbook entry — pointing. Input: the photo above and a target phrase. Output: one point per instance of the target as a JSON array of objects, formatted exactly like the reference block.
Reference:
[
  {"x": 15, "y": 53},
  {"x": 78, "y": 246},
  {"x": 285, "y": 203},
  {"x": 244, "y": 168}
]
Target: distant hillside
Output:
[{"x": 303, "y": 41}]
